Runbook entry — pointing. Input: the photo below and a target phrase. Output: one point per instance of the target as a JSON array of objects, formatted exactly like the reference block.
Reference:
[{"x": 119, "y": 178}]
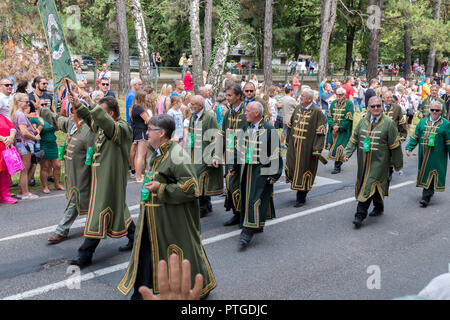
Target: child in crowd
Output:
[{"x": 177, "y": 115}]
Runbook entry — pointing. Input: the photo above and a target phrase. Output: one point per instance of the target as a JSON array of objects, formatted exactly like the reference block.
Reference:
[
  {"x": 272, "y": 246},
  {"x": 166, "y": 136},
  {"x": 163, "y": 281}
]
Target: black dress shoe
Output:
[
  {"x": 259, "y": 230},
  {"x": 358, "y": 221},
  {"x": 81, "y": 262},
  {"x": 299, "y": 204},
  {"x": 233, "y": 221},
  {"x": 209, "y": 207},
  {"x": 127, "y": 247},
  {"x": 203, "y": 213},
  {"x": 335, "y": 171},
  {"x": 245, "y": 238},
  {"x": 424, "y": 203},
  {"x": 375, "y": 213}
]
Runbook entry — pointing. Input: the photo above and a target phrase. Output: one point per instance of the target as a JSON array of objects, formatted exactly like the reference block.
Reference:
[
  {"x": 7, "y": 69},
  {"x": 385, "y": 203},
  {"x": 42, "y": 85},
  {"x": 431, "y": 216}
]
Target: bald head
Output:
[
  {"x": 254, "y": 112},
  {"x": 197, "y": 103}
]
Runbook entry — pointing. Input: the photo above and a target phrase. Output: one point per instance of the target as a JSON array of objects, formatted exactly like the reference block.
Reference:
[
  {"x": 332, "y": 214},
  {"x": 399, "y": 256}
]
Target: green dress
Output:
[
  {"x": 232, "y": 122},
  {"x": 373, "y": 166},
  {"x": 425, "y": 106},
  {"x": 432, "y": 160},
  {"x": 305, "y": 140},
  {"x": 395, "y": 113},
  {"x": 48, "y": 139},
  {"x": 341, "y": 115},
  {"x": 210, "y": 179},
  {"x": 108, "y": 211},
  {"x": 265, "y": 162},
  {"x": 77, "y": 179},
  {"x": 172, "y": 215}
]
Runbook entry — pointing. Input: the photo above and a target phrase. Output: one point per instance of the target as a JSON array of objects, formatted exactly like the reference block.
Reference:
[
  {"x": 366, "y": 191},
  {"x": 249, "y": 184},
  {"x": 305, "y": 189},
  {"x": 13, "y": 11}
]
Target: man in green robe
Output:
[
  {"x": 233, "y": 120},
  {"x": 305, "y": 141},
  {"x": 394, "y": 111},
  {"x": 423, "y": 111},
  {"x": 169, "y": 220},
  {"x": 259, "y": 165},
  {"x": 378, "y": 143},
  {"x": 340, "y": 124},
  {"x": 77, "y": 180},
  {"x": 108, "y": 213},
  {"x": 203, "y": 131},
  {"x": 433, "y": 136}
]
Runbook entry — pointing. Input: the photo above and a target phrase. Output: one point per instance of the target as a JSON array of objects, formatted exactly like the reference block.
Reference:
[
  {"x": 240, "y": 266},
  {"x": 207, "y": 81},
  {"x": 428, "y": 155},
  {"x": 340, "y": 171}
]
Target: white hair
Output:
[
  {"x": 373, "y": 99},
  {"x": 134, "y": 81},
  {"x": 257, "y": 106},
  {"x": 341, "y": 91},
  {"x": 309, "y": 92},
  {"x": 436, "y": 103},
  {"x": 97, "y": 94}
]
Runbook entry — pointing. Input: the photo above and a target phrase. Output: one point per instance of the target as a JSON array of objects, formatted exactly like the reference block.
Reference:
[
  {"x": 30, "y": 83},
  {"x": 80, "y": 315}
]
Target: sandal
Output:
[{"x": 29, "y": 196}]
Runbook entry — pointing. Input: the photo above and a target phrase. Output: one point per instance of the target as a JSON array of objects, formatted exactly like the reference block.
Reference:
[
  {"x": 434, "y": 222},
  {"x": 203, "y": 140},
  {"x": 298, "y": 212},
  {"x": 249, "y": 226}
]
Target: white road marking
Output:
[
  {"x": 80, "y": 223},
  {"x": 122, "y": 266}
]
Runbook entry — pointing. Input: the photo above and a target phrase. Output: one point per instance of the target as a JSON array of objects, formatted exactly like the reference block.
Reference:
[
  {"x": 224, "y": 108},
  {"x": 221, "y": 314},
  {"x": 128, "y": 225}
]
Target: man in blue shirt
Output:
[{"x": 135, "y": 84}]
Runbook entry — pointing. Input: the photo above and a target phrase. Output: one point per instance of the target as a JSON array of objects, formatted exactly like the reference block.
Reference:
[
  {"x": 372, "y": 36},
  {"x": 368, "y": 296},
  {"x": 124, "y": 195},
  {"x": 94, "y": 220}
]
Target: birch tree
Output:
[
  {"x": 124, "y": 56},
  {"x": 141, "y": 40},
  {"x": 207, "y": 33},
  {"x": 328, "y": 17},
  {"x": 432, "y": 52},
  {"x": 196, "y": 44},
  {"x": 268, "y": 23}
]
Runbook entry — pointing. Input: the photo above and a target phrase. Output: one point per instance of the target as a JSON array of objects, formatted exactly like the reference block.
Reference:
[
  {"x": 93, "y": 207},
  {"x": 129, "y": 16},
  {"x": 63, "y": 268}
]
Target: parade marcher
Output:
[
  {"x": 394, "y": 111},
  {"x": 259, "y": 164},
  {"x": 305, "y": 141},
  {"x": 77, "y": 180},
  {"x": 433, "y": 137},
  {"x": 108, "y": 214},
  {"x": 423, "y": 109},
  {"x": 249, "y": 92},
  {"x": 233, "y": 120},
  {"x": 378, "y": 144},
  {"x": 169, "y": 220},
  {"x": 210, "y": 179},
  {"x": 340, "y": 125}
]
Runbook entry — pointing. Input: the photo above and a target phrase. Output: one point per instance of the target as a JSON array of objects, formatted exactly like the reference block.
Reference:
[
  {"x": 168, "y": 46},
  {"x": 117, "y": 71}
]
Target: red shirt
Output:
[
  {"x": 350, "y": 91},
  {"x": 5, "y": 128},
  {"x": 188, "y": 86},
  {"x": 295, "y": 83}
]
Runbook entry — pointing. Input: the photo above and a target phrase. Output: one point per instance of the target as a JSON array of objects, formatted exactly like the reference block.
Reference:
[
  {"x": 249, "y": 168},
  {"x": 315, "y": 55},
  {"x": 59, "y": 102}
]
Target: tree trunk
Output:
[
  {"x": 216, "y": 71},
  {"x": 196, "y": 44},
  {"x": 141, "y": 40},
  {"x": 207, "y": 34},
  {"x": 374, "y": 24},
  {"x": 407, "y": 45},
  {"x": 328, "y": 17},
  {"x": 351, "y": 29},
  {"x": 124, "y": 55},
  {"x": 432, "y": 53},
  {"x": 268, "y": 21}
]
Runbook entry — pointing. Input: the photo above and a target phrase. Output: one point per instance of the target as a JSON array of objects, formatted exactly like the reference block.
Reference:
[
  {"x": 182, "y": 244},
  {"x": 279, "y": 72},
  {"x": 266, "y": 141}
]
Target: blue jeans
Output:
[{"x": 358, "y": 101}]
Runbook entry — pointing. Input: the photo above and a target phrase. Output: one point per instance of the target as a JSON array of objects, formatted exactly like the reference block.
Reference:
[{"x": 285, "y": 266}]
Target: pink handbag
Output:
[{"x": 12, "y": 160}]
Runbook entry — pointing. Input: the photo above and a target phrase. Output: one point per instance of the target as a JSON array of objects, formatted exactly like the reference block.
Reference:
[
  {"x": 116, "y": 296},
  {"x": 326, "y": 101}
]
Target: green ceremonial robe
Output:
[
  {"x": 425, "y": 106},
  {"x": 210, "y": 179},
  {"x": 265, "y": 162},
  {"x": 108, "y": 211},
  {"x": 77, "y": 179},
  {"x": 432, "y": 160},
  {"x": 373, "y": 166},
  {"x": 305, "y": 140},
  {"x": 173, "y": 219},
  {"x": 395, "y": 113},
  {"x": 341, "y": 115},
  {"x": 232, "y": 123}
]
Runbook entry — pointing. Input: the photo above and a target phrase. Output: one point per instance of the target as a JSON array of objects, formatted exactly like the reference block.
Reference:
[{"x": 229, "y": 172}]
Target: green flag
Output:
[{"x": 58, "y": 50}]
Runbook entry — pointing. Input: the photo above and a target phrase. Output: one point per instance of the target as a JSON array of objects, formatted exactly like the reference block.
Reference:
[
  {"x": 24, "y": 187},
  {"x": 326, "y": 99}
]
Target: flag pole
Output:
[{"x": 75, "y": 117}]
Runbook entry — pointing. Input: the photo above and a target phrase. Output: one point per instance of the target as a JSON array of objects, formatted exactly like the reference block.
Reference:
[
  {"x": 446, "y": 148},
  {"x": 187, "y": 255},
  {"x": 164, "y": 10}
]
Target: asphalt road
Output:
[{"x": 311, "y": 252}]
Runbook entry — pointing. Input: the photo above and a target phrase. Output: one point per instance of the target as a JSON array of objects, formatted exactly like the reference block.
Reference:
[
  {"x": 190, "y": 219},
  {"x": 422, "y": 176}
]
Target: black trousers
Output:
[
  {"x": 337, "y": 165},
  {"x": 89, "y": 245},
  {"x": 144, "y": 276},
  {"x": 205, "y": 203},
  {"x": 428, "y": 193},
  {"x": 301, "y": 196},
  {"x": 363, "y": 207}
]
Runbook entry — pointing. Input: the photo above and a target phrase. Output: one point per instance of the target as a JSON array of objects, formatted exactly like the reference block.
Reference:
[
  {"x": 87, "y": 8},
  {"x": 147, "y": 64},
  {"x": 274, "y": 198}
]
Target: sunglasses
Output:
[
  {"x": 45, "y": 83},
  {"x": 248, "y": 91},
  {"x": 105, "y": 84},
  {"x": 44, "y": 104},
  {"x": 7, "y": 85},
  {"x": 154, "y": 129},
  {"x": 435, "y": 110},
  {"x": 26, "y": 101},
  {"x": 376, "y": 106}
]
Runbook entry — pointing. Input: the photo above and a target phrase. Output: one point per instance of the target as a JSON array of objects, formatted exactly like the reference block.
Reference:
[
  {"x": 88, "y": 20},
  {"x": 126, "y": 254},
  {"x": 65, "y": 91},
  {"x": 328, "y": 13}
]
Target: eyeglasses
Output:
[
  {"x": 249, "y": 91},
  {"x": 105, "y": 84},
  {"x": 7, "y": 84},
  {"x": 435, "y": 110},
  {"x": 26, "y": 101},
  {"x": 376, "y": 106},
  {"x": 45, "y": 83},
  {"x": 44, "y": 104},
  {"x": 154, "y": 129}
]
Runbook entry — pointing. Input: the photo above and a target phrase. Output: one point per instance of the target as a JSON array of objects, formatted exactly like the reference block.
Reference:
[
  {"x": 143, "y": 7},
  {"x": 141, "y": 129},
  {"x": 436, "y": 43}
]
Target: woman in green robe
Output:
[{"x": 169, "y": 220}]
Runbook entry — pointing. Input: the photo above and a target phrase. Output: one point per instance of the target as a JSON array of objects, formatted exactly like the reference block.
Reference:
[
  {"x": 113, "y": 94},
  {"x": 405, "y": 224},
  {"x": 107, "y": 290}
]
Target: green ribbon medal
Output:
[
  {"x": 61, "y": 151},
  {"x": 249, "y": 155},
  {"x": 145, "y": 193},
  {"x": 191, "y": 140},
  {"x": 89, "y": 155},
  {"x": 431, "y": 139},
  {"x": 366, "y": 145},
  {"x": 231, "y": 141}
]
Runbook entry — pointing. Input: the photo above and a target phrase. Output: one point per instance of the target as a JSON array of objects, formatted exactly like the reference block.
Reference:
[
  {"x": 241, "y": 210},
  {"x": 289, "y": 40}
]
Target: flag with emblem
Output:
[{"x": 58, "y": 50}]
